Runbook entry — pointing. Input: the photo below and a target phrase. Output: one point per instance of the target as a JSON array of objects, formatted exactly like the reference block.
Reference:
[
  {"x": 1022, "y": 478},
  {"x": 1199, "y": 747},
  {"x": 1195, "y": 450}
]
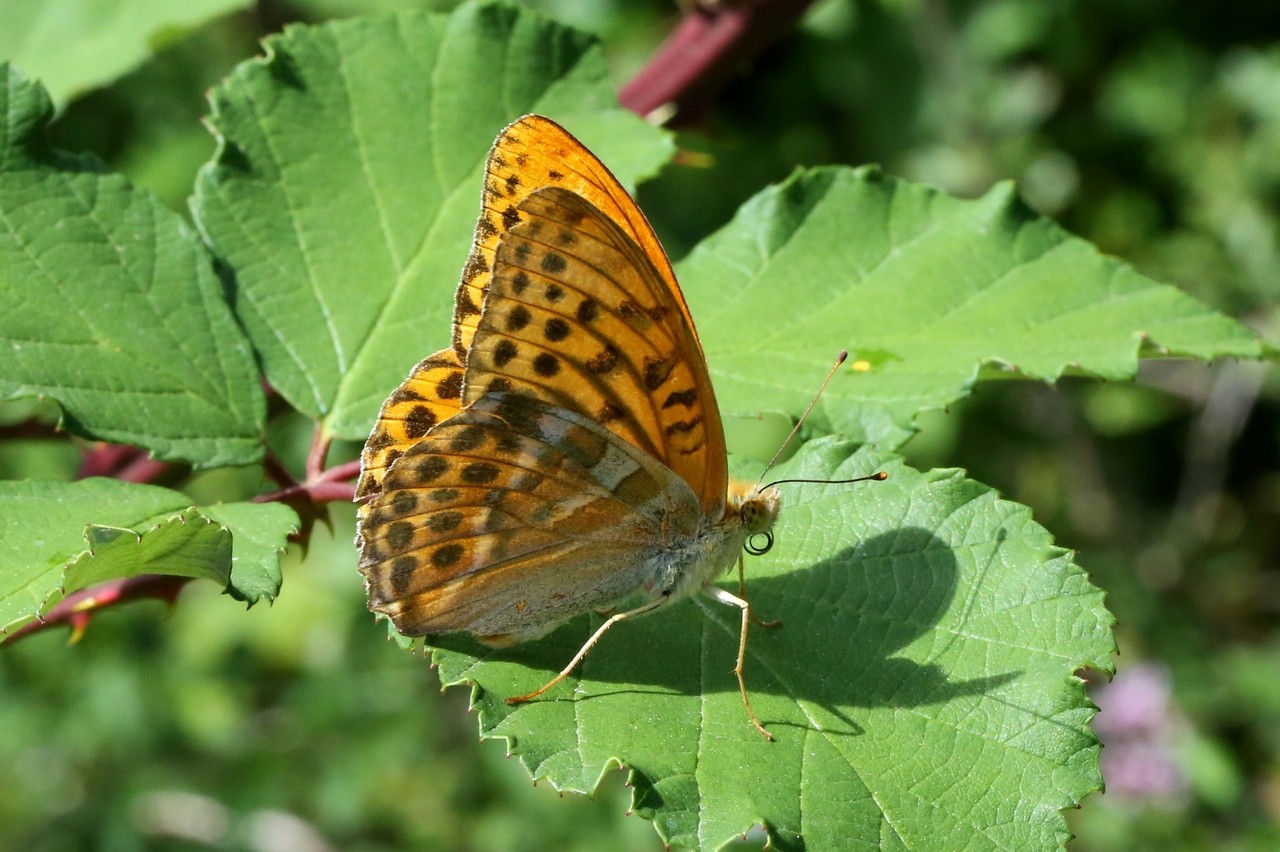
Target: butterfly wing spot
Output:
[
  {"x": 450, "y": 387},
  {"x": 475, "y": 267},
  {"x": 402, "y": 571},
  {"x": 609, "y": 412},
  {"x": 447, "y": 556},
  {"x": 508, "y": 444},
  {"x": 504, "y": 353},
  {"x": 468, "y": 439},
  {"x": 588, "y": 311},
  {"x": 603, "y": 361},
  {"x": 519, "y": 282},
  {"x": 518, "y": 318},
  {"x": 420, "y": 421},
  {"x": 399, "y": 534},
  {"x": 520, "y": 412},
  {"x": 443, "y": 522},
  {"x": 640, "y": 317},
  {"x": 404, "y": 394},
  {"x": 546, "y": 365},
  {"x": 553, "y": 264},
  {"x": 430, "y": 469},
  {"x": 583, "y": 446},
  {"x": 479, "y": 473},
  {"x": 682, "y": 427},
  {"x": 658, "y": 370},
  {"x": 513, "y": 184},
  {"x": 687, "y": 398},
  {"x": 555, "y": 330},
  {"x": 510, "y": 217},
  {"x": 485, "y": 230},
  {"x": 555, "y": 176},
  {"x": 404, "y": 503},
  {"x": 379, "y": 439},
  {"x": 554, "y": 292}
]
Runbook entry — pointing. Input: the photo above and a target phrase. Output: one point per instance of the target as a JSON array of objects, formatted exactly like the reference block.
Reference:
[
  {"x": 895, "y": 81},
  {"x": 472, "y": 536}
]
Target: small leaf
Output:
[
  {"x": 348, "y": 178},
  {"x": 921, "y": 686},
  {"x": 261, "y": 532},
  {"x": 58, "y": 537},
  {"x": 43, "y": 528},
  {"x": 923, "y": 290},
  {"x": 72, "y": 46},
  {"x": 112, "y": 305},
  {"x": 183, "y": 545}
]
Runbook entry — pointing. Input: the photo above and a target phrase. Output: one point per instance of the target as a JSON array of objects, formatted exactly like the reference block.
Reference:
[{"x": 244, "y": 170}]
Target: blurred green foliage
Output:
[{"x": 1151, "y": 128}]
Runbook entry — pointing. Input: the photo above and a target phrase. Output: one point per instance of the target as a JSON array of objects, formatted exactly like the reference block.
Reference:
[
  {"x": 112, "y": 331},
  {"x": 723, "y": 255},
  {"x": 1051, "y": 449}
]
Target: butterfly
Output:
[{"x": 565, "y": 454}]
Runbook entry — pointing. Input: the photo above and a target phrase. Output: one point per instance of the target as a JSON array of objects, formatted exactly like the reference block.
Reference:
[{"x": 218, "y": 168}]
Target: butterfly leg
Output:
[
  {"x": 728, "y": 598},
  {"x": 582, "y": 652},
  {"x": 742, "y": 593}
]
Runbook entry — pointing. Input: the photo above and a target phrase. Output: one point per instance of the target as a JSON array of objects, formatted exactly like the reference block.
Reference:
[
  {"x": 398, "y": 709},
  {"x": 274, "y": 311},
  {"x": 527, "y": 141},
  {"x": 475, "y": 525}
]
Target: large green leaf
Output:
[
  {"x": 348, "y": 179},
  {"x": 58, "y": 537},
  {"x": 112, "y": 305},
  {"x": 921, "y": 687},
  {"x": 924, "y": 290},
  {"x": 75, "y": 45}
]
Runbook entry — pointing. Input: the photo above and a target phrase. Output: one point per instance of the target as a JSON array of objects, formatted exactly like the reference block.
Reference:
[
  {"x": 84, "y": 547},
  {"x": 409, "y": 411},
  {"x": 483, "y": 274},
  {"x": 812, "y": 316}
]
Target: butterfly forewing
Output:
[
  {"x": 578, "y": 316},
  {"x": 431, "y": 395},
  {"x": 530, "y": 153}
]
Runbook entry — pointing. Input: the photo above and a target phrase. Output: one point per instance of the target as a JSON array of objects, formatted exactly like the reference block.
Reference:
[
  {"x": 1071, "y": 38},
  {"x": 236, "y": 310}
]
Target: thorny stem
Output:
[
  {"x": 320, "y": 443},
  {"x": 76, "y": 608}
]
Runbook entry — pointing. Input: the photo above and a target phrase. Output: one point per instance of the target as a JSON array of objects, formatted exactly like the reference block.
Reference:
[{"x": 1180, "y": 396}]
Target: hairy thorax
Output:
[{"x": 697, "y": 560}]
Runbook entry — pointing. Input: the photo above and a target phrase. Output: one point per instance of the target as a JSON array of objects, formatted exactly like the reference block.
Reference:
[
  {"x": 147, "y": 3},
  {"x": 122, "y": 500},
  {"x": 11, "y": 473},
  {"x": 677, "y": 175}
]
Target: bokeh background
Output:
[{"x": 1150, "y": 127}]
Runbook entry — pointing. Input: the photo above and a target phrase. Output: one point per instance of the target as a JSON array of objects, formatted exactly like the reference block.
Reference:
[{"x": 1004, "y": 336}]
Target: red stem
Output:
[
  {"x": 707, "y": 47},
  {"x": 76, "y": 608}
]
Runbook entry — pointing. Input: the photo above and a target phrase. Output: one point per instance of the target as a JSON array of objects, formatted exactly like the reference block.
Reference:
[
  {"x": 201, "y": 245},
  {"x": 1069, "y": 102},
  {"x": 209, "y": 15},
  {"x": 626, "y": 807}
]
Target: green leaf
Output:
[
  {"x": 48, "y": 526},
  {"x": 348, "y": 177},
  {"x": 921, "y": 687},
  {"x": 261, "y": 532},
  {"x": 58, "y": 537},
  {"x": 72, "y": 46},
  {"x": 923, "y": 289},
  {"x": 113, "y": 308},
  {"x": 183, "y": 545}
]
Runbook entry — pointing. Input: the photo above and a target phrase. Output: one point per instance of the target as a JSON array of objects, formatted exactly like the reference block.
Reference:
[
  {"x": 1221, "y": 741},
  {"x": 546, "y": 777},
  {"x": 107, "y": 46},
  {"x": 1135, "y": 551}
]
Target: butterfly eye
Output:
[{"x": 759, "y": 543}]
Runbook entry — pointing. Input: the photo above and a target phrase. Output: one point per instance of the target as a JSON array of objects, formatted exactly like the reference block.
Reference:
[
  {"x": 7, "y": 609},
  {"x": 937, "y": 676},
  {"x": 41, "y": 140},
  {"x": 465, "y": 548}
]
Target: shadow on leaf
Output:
[{"x": 844, "y": 621}]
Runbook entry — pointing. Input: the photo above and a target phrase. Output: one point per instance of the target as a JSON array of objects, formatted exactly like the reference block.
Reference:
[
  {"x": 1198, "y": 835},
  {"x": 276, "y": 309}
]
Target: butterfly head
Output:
[{"x": 755, "y": 509}]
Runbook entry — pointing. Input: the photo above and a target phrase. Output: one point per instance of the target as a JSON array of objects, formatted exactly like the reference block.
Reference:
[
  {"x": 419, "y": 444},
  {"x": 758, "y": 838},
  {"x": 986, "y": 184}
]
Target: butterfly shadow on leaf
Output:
[{"x": 845, "y": 621}]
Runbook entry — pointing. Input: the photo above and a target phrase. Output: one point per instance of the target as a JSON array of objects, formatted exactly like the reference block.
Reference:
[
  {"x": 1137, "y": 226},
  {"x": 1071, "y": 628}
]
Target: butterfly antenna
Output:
[
  {"x": 880, "y": 476},
  {"x": 840, "y": 359}
]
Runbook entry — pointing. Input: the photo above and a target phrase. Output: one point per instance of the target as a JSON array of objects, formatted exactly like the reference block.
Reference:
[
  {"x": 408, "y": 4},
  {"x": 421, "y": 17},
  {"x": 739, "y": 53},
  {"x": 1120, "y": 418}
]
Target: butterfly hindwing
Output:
[{"x": 480, "y": 522}]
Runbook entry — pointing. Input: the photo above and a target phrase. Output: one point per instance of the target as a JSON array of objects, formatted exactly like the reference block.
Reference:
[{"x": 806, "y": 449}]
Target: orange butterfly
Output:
[{"x": 566, "y": 453}]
